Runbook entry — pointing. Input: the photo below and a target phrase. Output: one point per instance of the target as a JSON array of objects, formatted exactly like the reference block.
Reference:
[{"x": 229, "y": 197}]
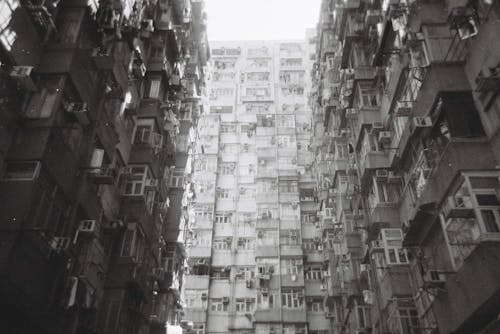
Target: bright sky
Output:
[{"x": 260, "y": 19}]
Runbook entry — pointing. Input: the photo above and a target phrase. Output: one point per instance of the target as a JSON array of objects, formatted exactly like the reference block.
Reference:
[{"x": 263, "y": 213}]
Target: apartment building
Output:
[
  {"x": 99, "y": 104},
  {"x": 406, "y": 120},
  {"x": 254, "y": 261}
]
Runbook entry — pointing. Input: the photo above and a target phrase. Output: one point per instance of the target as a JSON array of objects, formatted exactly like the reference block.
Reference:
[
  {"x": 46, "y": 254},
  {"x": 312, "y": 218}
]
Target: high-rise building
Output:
[
  {"x": 255, "y": 262},
  {"x": 406, "y": 117},
  {"x": 99, "y": 102}
]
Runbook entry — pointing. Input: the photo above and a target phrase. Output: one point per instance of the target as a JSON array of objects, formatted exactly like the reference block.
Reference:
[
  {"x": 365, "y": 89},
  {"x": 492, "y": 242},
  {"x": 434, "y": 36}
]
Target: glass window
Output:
[{"x": 21, "y": 170}]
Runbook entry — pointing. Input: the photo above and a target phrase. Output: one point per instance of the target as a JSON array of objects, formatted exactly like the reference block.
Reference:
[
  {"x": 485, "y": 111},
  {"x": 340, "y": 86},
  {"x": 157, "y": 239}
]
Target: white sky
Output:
[{"x": 260, "y": 19}]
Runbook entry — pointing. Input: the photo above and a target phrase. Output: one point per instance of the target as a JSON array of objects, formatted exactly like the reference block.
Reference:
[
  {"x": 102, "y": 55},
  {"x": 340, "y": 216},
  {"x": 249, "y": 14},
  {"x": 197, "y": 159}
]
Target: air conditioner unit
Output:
[
  {"x": 422, "y": 122},
  {"x": 329, "y": 315},
  {"x": 80, "y": 112},
  {"x": 151, "y": 184},
  {"x": 102, "y": 58},
  {"x": 204, "y": 296},
  {"x": 201, "y": 262},
  {"x": 116, "y": 224},
  {"x": 87, "y": 226},
  {"x": 434, "y": 277},
  {"x": 403, "y": 108},
  {"x": 266, "y": 277},
  {"x": 225, "y": 300},
  {"x": 59, "y": 243},
  {"x": 377, "y": 126},
  {"x": 457, "y": 207},
  {"x": 381, "y": 174},
  {"x": 22, "y": 76},
  {"x": 368, "y": 297},
  {"x": 384, "y": 137}
]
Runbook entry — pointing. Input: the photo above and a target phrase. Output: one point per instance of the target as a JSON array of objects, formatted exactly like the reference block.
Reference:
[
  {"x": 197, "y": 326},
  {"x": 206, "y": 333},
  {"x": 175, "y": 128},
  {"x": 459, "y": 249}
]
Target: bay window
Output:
[
  {"x": 133, "y": 242},
  {"x": 471, "y": 214},
  {"x": 292, "y": 298},
  {"x": 291, "y": 266},
  {"x": 268, "y": 301},
  {"x": 245, "y": 305},
  {"x": 217, "y": 305},
  {"x": 315, "y": 304},
  {"x": 136, "y": 184},
  {"x": 366, "y": 96},
  {"x": 313, "y": 274}
]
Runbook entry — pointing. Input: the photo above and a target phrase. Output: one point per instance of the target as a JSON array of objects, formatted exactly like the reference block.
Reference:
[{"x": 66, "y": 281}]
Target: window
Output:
[
  {"x": 202, "y": 239},
  {"x": 308, "y": 218},
  {"x": 221, "y": 273},
  {"x": 291, "y": 267},
  {"x": 245, "y": 305},
  {"x": 384, "y": 193},
  {"x": 21, "y": 170},
  {"x": 404, "y": 320},
  {"x": 204, "y": 212},
  {"x": 315, "y": 304},
  {"x": 154, "y": 88},
  {"x": 144, "y": 133},
  {"x": 177, "y": 179},
  {"x": 135, "y": 184},
  {"x": 392, "y": 241},
  {"x": 268, "y": 301},
  {"x": 246, "y": 217},
  {"x": 285, "y": 62},
  {"x": 472, "y": 213},
  {"x": 205, "y": 187},
  {"x": 227, "y": 128},
  {"x": 246, "y": 243},
  {"x": 221, "y": 109},
  {"x": 132, "y": 242},
  {"x": 217, "y": 93},
  {"x": 222, "y": 243},
  {"x": 245, "y": 273},
  {"x": 363, "y": 317},
  {"x": 223, "y": 217},
  {"x": 227, "y": 168},
  {"x": 223, "y": 193},
  {"x": 7, "y": 34},
  {"x": 288, "y": 187},
  {"x": 366, "y": 96},
  {"x": 313, "y": 273},
  {"x": 292, "y": 298},
  {"x": 308, "y": 245},
  {"x": 217, "y": 305},
  {"x": 289, "y": 237},
  {"x": 258, "y": 92},
  {"x": 198, "y": 328}
]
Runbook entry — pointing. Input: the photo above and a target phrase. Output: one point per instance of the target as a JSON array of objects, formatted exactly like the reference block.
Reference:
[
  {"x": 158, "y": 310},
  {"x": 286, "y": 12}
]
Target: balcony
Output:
[
  {"x": 395, "y": 283},
  {"x": 267, "y": 315},
  {"x": 469, "y": 301},
  {"x": 373, "y": 160}
]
